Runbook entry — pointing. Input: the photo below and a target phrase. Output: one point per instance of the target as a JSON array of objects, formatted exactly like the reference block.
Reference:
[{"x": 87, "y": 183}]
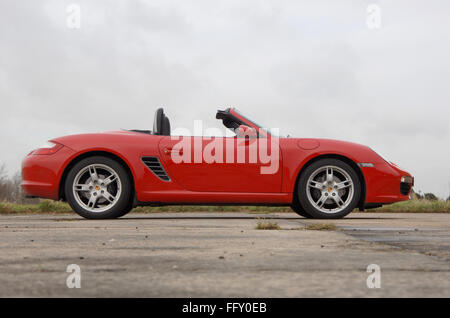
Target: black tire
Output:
[
  {"x": 122, "y": 204},
  {"x": 126, "y": 210},
  {"x": 309, "y": 208},
  {"x": 295, "y": 206}
]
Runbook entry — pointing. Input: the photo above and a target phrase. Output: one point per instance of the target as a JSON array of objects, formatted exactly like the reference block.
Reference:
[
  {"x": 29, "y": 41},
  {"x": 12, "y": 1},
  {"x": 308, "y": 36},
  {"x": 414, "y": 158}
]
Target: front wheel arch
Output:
[
  {"x": 347, "y": 160},
  {"x": 85, "y": 155}
]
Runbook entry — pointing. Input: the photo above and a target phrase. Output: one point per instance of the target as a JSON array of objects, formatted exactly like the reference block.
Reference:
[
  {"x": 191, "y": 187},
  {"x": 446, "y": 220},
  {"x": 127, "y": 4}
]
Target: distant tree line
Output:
[
  {"x": 426, "y": 196},
  {"x": 10, "y": 189}
]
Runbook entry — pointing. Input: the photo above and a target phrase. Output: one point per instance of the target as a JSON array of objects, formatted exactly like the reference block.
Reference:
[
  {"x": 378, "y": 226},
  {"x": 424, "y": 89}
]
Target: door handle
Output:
[
  {"x": 169, "y": 151},
  {"x": 246, "y": 141}
]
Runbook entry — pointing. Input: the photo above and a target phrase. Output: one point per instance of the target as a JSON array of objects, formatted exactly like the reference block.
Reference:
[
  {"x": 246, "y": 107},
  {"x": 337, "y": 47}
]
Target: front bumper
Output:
[
  {"x": 406, "y": 184},
  {"x": 386, "y": 183}
]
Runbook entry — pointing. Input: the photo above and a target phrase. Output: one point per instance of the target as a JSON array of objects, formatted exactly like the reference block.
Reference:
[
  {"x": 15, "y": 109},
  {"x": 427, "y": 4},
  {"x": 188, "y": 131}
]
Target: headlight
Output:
[
  {"x": 407, "y": 179},
  {"x": 48, "y": 148}
]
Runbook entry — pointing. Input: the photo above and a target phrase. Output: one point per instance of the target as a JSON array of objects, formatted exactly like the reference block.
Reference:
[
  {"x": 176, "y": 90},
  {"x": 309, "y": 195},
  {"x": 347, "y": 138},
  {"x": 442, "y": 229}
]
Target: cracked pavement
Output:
[{"x": 223, "y": 255}]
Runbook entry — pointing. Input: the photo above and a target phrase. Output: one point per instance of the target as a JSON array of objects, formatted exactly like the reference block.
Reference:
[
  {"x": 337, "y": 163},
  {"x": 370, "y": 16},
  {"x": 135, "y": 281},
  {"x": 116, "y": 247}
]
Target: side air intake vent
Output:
[{"x": 155, "y": 166}]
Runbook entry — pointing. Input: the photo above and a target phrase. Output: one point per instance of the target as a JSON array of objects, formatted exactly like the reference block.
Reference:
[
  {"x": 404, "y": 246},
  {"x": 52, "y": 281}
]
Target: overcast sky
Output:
[{"x": 312, "y": 68}]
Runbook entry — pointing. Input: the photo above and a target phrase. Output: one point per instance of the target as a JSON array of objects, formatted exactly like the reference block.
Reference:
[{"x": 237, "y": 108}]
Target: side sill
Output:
[{"x": 140, "y": 203}]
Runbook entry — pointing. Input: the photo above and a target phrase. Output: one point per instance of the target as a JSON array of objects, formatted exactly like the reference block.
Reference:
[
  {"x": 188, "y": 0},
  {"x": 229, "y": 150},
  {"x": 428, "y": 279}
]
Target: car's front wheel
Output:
[
  {"x": 329, "y": 189},
  {"x": 98, "y": 188}
]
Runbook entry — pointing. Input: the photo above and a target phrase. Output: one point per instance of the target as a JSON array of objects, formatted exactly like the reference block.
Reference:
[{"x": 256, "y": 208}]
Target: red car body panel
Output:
[
  {"x": 220, "y": 177},
  {"x": 203, "y": 183}
]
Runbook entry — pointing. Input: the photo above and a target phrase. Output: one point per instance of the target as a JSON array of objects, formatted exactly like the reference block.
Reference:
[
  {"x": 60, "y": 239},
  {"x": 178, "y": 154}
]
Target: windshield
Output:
[{"x": 272, "y": 131}]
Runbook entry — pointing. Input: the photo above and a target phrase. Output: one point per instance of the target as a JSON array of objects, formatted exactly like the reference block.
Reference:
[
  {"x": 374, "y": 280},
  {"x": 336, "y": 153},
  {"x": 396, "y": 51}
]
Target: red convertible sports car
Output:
[{"x": 105, "y": 175}]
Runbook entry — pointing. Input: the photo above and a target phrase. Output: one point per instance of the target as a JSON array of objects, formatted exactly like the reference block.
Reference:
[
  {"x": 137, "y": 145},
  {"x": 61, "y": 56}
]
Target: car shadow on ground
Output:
[{"x": 219, "y": 217}]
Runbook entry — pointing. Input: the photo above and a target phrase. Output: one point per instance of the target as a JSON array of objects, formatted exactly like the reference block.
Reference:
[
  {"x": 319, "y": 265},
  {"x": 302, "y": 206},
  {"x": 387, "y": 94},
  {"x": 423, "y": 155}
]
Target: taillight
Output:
[{"x": 48, "y": 148}]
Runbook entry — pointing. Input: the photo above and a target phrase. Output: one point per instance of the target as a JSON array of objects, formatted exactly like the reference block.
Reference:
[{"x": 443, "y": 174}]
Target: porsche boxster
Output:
[{"x": 105, "y": 175}]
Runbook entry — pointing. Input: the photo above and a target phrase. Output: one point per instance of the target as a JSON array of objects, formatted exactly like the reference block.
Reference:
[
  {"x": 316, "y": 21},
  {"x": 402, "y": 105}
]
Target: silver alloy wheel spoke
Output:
[
  {"x": 92, "y": 201},
  {"x": 343, "y": 185},
  {"x": 93, "y": 173},
  {"x": 97, "y": 188},
  {"x": 322, "y": 200},
  {"x": 329, "y": 173},
  {"x": 108, "y": 196},
  {"x": 316, "y": 185},
  {"x": 338, "y": 201},
  {"x": 330, "y": 189},
  {"x": 109, "y": 180},
  {"x": 82, "y": 187}
]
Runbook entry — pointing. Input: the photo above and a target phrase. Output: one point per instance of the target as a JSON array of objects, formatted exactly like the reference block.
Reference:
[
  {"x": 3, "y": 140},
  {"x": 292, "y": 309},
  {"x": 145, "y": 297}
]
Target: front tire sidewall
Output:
[
  {"x": 123, "y": 202},
  {"x": 295, "y": 206},
  {"x": 302, "y": 188}
]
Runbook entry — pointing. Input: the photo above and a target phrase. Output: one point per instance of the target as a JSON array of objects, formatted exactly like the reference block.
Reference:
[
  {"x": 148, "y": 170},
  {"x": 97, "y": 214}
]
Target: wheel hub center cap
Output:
[{"x": 97, "y": 188}]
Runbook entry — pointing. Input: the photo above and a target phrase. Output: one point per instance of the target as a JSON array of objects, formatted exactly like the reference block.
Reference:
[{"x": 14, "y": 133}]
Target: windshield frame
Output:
[{"x": 264, "y": 131}]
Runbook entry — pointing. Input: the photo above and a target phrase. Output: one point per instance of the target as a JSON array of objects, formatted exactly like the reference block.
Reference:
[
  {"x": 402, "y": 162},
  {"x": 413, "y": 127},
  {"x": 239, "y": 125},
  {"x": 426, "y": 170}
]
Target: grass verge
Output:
[
  {"x": 267, "y": 225},
  {"x": 321, "y": 227},
  {"x": 48, "y": 206},
  {"x": 416, "y": 206},
  {"x": 45, "y": 206}
]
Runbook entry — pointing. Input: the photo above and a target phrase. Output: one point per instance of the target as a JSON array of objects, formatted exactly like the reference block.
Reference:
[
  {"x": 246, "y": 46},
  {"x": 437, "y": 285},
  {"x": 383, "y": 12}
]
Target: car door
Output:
[{"x": 222, "y": 164}]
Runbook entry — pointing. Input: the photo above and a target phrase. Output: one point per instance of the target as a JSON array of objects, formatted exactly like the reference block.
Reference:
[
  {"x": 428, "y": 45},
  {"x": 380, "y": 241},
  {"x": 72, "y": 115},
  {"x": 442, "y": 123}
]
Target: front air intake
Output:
[
  {"x": 405, "y": 188},
  {"x": 156, "y": 167}
]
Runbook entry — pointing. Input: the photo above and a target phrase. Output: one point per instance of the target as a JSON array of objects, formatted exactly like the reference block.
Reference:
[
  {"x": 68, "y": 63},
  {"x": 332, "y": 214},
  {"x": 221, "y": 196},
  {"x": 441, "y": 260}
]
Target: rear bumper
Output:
[{"x": 41, "y": 174}]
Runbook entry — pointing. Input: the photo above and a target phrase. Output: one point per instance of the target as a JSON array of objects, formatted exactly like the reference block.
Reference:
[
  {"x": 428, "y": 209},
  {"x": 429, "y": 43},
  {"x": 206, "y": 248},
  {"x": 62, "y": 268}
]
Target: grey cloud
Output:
[{"x": 311, "y": 68}]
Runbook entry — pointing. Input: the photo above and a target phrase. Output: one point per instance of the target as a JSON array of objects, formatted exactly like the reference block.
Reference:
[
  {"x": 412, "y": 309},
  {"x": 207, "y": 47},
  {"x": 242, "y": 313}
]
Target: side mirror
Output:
[{"x": 244, "y": 131}]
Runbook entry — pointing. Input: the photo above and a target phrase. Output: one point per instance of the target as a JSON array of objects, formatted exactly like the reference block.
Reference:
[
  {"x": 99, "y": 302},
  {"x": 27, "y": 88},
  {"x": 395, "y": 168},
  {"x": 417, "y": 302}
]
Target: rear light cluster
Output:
[{"x": 48, "y": 148}]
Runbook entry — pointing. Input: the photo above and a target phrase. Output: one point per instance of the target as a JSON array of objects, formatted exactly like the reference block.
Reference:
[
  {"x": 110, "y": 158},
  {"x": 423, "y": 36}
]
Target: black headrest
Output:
[
  {"x": 166, "y": 127},
  {"x": 161, "y": 124},
  {"x": 157, "y": 121}
]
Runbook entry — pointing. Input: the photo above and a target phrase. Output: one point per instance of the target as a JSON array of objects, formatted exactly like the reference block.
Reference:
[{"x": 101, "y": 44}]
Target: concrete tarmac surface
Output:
[{"x": 223, "y": 255}]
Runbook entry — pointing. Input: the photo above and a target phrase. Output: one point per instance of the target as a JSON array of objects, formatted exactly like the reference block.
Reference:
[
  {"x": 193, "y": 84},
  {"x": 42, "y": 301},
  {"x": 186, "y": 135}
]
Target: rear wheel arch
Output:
[
  {"x": 347, "y": 160},
  {"x": 88, "y": 154}
]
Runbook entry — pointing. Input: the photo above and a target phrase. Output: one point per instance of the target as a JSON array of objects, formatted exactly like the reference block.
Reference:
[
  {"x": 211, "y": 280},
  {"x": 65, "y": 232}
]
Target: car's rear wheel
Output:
[
  {"x": 328, "y": 189},
  {"x": 295, "y": 206},
  {"x": 98, "y": 188}
]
